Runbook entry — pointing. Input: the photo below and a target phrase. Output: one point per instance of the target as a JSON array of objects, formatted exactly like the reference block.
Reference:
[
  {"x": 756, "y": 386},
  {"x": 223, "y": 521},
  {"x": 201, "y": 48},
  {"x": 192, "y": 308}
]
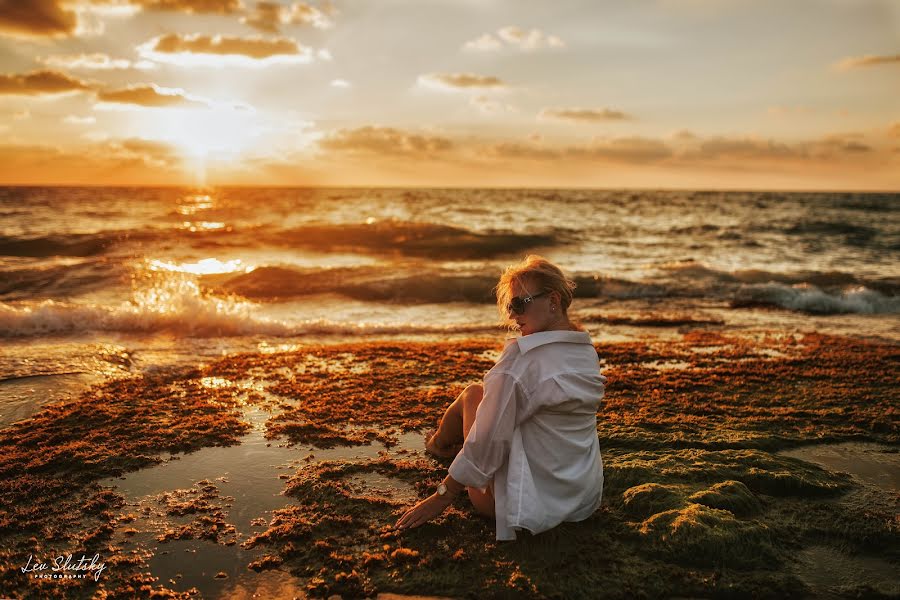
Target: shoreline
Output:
[{"x": 700, "y": 498}]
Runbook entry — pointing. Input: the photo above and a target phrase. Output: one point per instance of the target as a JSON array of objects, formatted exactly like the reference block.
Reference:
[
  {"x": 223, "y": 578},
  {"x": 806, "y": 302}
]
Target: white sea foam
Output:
[
  {"x": 808, "y": 298},
  {"x": 175, "y": 304}
]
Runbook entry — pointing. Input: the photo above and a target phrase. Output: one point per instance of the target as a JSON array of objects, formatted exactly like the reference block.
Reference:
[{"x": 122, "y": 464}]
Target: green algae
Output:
[
  {"x": 732, "y": 496},
  {"x": 700, "y": 535},
  {"x": 646, "y": 499}
]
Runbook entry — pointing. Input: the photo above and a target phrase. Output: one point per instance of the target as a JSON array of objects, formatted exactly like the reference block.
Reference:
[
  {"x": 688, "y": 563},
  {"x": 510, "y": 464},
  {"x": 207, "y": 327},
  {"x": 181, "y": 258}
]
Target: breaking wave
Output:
[
  {"x": 811, "y": 299},
  {"x": 390, "y": 237},
  {"x": 180, "y": 308},
  {"x": 394, "y": 283},
  {"x": 688, "y": 271}
]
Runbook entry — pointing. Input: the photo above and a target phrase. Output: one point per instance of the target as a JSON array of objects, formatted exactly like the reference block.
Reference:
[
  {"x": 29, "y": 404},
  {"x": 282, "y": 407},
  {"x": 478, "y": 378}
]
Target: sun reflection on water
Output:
[
  {"x": 204, "y": 226},
  {"x": 206, "y": 266},
  {"x": 194, "y": 203},
  {"x": 267, "y": 348}
]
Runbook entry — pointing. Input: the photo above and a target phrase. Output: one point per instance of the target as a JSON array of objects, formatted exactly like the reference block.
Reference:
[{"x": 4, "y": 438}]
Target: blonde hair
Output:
[{"x": 539, "y": 271}]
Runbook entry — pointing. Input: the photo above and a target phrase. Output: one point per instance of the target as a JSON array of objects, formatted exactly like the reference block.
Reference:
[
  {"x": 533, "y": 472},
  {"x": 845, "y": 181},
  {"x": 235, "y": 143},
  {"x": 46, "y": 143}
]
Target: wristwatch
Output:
[{"x": 441, "y": 489}]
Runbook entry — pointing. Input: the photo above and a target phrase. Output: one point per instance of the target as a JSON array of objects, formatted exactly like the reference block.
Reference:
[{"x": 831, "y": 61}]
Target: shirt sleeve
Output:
[{"x": 486, "y": 448}]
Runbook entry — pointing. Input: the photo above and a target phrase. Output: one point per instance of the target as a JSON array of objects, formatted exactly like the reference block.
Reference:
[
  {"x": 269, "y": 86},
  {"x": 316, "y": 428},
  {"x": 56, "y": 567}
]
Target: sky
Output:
[{"x": 700, "y": 94}]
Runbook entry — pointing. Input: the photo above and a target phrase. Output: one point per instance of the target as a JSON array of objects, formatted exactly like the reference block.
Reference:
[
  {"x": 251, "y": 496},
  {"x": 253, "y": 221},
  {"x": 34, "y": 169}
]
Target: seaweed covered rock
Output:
[
  {"x": 704, "y": 536},
  {"x": 732, "y": 496},
  {"x": 647, "y": 499}
]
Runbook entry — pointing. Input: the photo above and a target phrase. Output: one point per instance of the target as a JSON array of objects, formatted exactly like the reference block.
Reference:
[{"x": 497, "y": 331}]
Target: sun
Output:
[
  {"x": 221, "y": 135},
  {"x": 216, "y": 133}
]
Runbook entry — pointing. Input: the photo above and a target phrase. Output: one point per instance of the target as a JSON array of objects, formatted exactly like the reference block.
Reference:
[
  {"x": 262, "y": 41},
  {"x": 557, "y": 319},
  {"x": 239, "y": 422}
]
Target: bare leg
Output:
[
  {"x": 471, "y": 398},
  {"x": 447, "y": 440},
  {"x": 454, "y": 427}
]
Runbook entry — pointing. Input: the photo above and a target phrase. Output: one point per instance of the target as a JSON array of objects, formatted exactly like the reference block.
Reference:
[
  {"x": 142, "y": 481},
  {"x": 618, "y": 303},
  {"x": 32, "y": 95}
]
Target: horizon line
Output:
[{"x": 458, "y": 187}]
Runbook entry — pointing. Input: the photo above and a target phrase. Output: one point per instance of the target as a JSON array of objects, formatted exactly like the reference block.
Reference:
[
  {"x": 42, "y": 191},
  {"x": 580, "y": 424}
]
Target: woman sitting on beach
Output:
[{"x": 525, "y": 442}]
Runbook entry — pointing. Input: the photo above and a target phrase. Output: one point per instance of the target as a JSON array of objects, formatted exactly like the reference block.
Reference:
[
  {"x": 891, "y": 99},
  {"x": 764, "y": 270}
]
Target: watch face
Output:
[{"x": 442, "y": 489}]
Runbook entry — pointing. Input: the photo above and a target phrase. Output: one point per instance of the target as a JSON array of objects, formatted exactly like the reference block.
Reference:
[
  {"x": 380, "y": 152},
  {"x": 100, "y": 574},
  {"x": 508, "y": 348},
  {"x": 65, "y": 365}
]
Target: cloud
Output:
[
  {"x": 524, "y": 151},
  {"x": 270, "y": 16},
  {"x": 838, "y": 143},
  {"x": 457, "y": 81},
  {"x": 869, "y": 60},
  {"x": 490, "y": 106},
  {"x": 123, "y": 160},
  {"x": 626, "y": 149},
  {"x": 161, "y": 152},
  {"x": 583, "y": 115},
  {"x": 199, "y": 49},
  {"x": 512, "y": 36},
  {"x": 37, "y": 18},
  {"x": 723, "y": 148},
  {"x": 96, "y": 61},
  {"x": 685, "y": 148},
  {"x": 683, "y": 135},
  {"x": 151, "y": 96},
  {"x": 636, "y": 150},
  {"x": 76, "y": 120},
  {"x": 485, "y": 43},
  {"x": 38, "y": 83},
  {"x": 529, "y": 40},
  {"x": 385, "y": 141},
  {"x": 63, "y": 18},
  {"x": 340, "y": 83},
  {"x": 221, "y": 7}
]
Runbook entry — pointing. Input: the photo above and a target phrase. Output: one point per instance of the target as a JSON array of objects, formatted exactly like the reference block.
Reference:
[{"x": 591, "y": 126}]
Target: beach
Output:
[{"x": 223, "y": 393}]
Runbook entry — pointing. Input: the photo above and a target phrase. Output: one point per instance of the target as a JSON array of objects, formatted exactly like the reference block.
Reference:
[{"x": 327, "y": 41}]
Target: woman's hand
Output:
[{"x": 424, "y": 511}]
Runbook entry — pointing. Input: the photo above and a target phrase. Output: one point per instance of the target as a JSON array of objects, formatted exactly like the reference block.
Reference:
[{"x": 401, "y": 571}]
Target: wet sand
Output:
[{"x": 751, "y": 464}]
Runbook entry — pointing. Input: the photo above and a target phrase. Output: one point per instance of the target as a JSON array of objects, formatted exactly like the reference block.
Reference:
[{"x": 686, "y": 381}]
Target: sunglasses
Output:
[{"x": 518, "y": 305}]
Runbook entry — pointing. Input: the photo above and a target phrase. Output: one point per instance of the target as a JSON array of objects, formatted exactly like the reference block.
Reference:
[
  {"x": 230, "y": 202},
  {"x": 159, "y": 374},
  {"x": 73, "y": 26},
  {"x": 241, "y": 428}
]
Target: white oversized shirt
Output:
[{"x": 535, "y": 433}]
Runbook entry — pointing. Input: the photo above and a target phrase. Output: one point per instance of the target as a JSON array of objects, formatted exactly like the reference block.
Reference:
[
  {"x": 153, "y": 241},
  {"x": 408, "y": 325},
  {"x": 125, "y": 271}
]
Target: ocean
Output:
[
  {"x": 186, "y": 391},
  {"x": 100, "y": 281}
]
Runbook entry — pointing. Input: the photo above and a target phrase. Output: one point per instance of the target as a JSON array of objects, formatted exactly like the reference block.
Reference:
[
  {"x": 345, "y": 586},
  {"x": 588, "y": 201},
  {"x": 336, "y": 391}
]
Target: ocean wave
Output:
[
  {"x": 408, "y": 284},
  {"x": 59, "y": 281},
  {"x": 853, "y": 235},
  {"x": 74, "y": 244},
  {"x": 830, "y": 228},
  {"x": 867, "y": 202},
  {"x": 62, "y": 318},
  {"x": 388, "y": 237},
  {"x": 371, "y": 283},
  {"x": 602, "y": 286},
  {"x": 810, "y": 299},
  {"x": 410, "y": 239},
  {"x": 177, "y": 306},
  {"x": 832, "y": 281}
]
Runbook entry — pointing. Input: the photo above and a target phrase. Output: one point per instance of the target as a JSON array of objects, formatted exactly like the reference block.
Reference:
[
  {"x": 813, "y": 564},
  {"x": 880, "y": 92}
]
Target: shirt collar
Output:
[{"x": 532, "y": 341}]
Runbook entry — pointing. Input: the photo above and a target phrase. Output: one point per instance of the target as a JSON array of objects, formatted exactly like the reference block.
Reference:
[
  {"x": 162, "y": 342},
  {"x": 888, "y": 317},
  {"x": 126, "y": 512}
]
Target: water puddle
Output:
[
  {"x": 376, "y": 485},
  {"x": 23, "y": 397},
  {"x": 873, "y": 464},
  {"x": 231, "y": 493},
  {"x": 830, "y": 571}
]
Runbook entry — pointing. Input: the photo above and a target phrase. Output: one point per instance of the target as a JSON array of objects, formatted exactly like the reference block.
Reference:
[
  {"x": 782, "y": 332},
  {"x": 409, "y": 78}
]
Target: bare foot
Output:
[{"x": 432, "y": 446}]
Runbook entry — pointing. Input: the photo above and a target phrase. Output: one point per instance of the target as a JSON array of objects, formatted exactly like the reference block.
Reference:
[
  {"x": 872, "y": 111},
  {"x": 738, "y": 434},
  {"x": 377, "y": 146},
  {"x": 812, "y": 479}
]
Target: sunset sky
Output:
[{"x": 734, "y": 94}]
